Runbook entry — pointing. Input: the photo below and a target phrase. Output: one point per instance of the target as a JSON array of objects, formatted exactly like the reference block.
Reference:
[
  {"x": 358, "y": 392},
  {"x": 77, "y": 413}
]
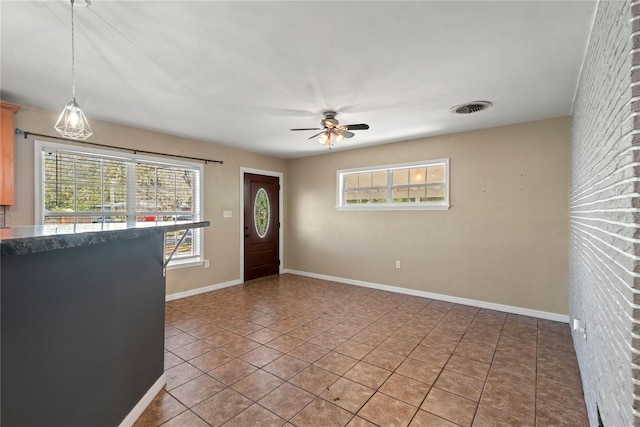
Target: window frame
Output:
[
  {"x": 442, "y": 205},
  {"x": 41, "y": 146}
]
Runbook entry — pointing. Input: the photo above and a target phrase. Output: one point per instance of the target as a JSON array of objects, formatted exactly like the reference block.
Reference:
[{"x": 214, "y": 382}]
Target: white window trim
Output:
[
  {"x": 40, "y": 146},
  {"x": 178, "y": 263},
  {"x": 341, "y": 206}
]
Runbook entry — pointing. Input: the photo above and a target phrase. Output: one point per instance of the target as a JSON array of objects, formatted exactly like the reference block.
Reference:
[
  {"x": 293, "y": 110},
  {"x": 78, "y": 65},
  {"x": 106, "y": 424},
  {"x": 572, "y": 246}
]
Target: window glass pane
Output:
[
  {"x": 59, "y": 188},
  {"x": 59, "y": 196},
  {"x": 364, "y": 179},
  {"x": 351, "y": 180},
  {"x": 186, "y": 247},
  {"x": 166, "y": 178},
  {"x": 184, "y": 201},
  {"x": 114, "y": 199},
  {"x": 58, "y": 167},
  {"x": 107, "y": 219},
  {"x": 435, "y": 193},
  {"x": 88, "y": 197},
  {"x": 417, "y": 175},
  {"x": 59, "y": 219},
  {"x": 400, "y": 195},
  {"x": 435, "y": 173},
  {"x": 359, "y": 196},
  {"x": 114, "y": 172},
  {"x": 88, "y": 170},
  {"x": 380, "y": 179},
  {"x": 166, "y": 200},
  {"x": 146, "y": 199},
  {"x": 400, "y": 177},
  {"x": 184, "y": 188},
  {"x": 379, "y": 196},
  {"x": 145, "y": 175},
  {"x": 145, "y": 188},
  {"x": 417, "y": 194},
  {"x": 180, "y": 217}
]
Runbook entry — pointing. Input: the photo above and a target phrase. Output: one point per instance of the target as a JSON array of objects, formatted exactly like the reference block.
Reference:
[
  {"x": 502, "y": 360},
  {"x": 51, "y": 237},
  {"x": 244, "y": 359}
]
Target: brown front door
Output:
[{"x": 261, "y": 226}]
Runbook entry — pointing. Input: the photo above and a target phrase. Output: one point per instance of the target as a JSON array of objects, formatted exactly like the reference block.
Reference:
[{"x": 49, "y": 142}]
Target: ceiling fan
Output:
[{"x": 331, "y": 129}]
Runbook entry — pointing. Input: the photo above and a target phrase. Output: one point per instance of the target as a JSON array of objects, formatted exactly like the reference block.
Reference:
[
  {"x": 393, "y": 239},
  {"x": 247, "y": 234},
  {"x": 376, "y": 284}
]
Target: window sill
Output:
[
  {"x": 175, "y": 265},
  {"x": 385, "y": 207}
]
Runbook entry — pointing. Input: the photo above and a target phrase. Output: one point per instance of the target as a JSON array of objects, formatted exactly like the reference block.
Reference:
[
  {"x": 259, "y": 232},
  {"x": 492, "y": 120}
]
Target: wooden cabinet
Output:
[{"x": 6, "y": 152}]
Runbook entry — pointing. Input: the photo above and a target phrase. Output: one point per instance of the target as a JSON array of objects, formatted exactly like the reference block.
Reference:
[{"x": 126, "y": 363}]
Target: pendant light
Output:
[{"x": 72, "y": 123}]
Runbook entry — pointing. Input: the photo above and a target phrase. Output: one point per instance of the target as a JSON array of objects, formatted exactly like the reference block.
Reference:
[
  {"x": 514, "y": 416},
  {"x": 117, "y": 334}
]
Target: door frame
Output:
[{"x": 280, "y": 176}]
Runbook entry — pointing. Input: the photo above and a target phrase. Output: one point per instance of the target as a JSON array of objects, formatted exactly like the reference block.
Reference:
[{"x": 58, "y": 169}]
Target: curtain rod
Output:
[{"x": 135, "y": 151}]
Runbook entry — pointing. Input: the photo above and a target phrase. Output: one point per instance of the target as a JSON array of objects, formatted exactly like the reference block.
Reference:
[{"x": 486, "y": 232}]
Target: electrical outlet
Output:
[
  {"x": 398, "y": 264},
  {"x": 206, "y": 263},
  {"x": 226, "y": 214}
]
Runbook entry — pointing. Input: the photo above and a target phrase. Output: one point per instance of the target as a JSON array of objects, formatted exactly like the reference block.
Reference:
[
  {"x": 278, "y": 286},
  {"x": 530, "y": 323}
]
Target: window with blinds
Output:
[
  {"x": 83, "y": 187},
  {"x": 416, "y": 185}
]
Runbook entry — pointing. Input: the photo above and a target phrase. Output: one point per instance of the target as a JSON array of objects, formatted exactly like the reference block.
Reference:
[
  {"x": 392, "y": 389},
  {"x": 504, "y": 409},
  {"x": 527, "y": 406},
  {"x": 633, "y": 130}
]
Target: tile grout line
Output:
[
  {"x": 289, "y": 312},
  {"x": 484, "y": 386}
]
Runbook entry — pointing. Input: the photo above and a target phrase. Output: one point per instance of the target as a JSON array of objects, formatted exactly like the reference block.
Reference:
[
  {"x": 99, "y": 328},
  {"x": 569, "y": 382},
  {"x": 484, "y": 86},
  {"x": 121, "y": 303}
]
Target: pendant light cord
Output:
[{"x": 73, "y": 59}]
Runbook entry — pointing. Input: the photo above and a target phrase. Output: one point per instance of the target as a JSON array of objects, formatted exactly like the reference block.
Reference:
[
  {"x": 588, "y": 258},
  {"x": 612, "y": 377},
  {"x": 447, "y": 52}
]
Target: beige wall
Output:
[
  {"x": 504, "y": 239},
  {"x": 221, "y": 188}
]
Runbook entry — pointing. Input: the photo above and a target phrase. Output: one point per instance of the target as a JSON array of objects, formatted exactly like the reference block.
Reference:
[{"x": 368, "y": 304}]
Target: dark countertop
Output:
[{"x": 30, "y": 239}]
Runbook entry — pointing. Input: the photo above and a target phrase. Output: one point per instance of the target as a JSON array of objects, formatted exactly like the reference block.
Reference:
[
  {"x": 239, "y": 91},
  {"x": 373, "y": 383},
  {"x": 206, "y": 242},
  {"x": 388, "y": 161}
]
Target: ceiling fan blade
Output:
[
  {"x": 347, "y": 134},
  {"x": 317, "y": 134},
  {"x": 360, "y": 126},
  {"x": 308, "y": 129}
]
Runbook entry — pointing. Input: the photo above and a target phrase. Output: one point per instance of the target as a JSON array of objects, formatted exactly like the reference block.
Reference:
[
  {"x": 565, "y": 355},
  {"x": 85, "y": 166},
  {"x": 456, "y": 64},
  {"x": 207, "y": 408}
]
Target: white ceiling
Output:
[{"x": 243, "y": 73}]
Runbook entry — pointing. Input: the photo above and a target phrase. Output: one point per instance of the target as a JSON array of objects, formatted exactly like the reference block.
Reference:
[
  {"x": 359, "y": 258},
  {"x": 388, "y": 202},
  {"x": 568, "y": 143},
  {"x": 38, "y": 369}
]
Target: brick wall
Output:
[{"x": 605, "y": 217}]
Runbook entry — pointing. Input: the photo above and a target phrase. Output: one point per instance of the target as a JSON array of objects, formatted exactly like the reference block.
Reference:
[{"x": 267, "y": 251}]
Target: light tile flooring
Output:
[{"x": 289, "y": 350}]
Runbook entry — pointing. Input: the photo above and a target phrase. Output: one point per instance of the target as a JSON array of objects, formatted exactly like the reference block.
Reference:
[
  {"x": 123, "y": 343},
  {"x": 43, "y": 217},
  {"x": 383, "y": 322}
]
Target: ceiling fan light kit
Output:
[
  {"x": 72, "y": 122},
  {"x": 331, "y": 131}
]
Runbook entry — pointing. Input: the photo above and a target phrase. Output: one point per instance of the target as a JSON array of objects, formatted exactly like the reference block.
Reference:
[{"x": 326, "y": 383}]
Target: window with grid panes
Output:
[
  {"x": 89, "y": 188},
  {"x": 416, "y": 185}
]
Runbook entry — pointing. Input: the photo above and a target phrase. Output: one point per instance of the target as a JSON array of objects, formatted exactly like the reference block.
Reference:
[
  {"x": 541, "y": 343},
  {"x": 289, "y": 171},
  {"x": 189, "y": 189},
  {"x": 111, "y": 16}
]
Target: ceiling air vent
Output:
[{"x": 470, "y": 107}]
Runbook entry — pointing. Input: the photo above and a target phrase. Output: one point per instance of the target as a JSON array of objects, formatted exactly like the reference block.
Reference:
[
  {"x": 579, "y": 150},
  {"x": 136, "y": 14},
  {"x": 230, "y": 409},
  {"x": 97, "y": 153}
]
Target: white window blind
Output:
[{"x": 79, "y": 186}]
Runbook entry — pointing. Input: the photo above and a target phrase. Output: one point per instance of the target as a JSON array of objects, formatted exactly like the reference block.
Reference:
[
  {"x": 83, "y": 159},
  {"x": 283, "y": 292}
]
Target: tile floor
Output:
[{"x": 290, "y": 350}]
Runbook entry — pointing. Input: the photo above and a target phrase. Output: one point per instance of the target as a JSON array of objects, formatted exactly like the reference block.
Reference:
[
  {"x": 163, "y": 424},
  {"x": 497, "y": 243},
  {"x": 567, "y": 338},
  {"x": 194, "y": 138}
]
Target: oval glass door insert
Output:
[{"x": 261, "y": 212}]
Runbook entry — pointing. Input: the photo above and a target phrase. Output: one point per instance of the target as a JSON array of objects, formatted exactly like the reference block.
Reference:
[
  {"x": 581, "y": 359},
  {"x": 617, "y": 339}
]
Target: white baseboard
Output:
[
  {"x": 144, "y": 402},
  {"x": 197, "y": 291},
  {"x": 441, "y": 297}
]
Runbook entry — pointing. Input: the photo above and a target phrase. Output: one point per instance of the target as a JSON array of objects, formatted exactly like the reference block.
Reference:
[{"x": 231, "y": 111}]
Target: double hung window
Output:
[
  {"x": 417, "y": 185},
  {"x": 96, "y": 189}
]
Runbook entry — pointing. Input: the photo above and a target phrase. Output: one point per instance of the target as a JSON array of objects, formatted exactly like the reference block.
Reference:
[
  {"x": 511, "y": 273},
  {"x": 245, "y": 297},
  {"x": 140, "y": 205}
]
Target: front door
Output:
[{"x": 261, "y": 226}]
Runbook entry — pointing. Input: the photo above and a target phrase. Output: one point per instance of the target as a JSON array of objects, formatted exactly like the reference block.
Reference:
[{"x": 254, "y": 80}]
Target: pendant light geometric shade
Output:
[{"x": 72, "y": 123}]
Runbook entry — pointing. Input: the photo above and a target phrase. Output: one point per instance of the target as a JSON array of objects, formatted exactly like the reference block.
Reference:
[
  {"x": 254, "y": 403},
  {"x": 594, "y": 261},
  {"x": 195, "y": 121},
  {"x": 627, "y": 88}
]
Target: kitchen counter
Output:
[
  {"x": 29, "y": 239},
  {"x": 82, "y": 322}
]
